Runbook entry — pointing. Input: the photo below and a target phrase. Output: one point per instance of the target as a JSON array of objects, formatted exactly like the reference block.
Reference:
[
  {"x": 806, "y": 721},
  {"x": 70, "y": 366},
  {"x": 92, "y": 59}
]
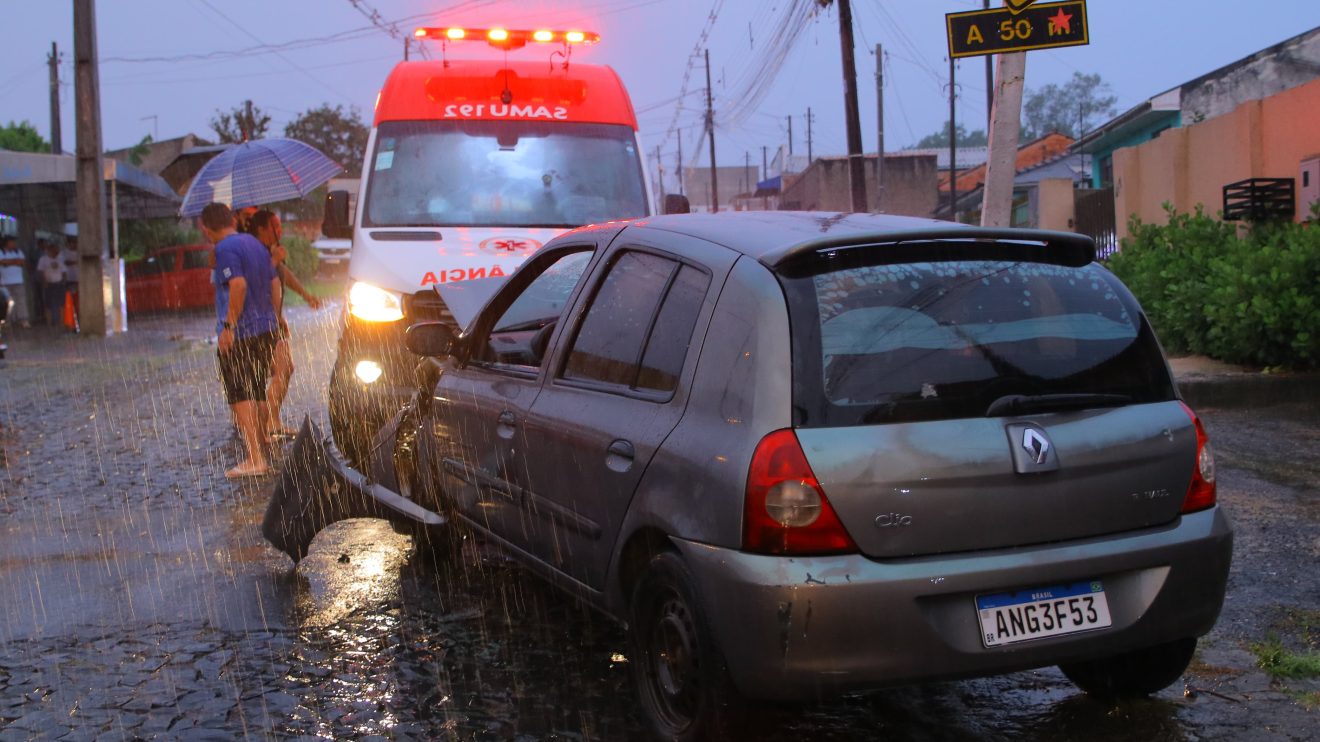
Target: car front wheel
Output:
[
  {"x": 681, "y": 677},
  {"x": 1133, "y": 674}
]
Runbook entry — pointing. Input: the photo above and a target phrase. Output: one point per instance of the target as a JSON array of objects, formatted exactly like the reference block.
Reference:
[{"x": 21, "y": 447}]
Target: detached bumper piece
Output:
[{"x": 318, "y": 487}]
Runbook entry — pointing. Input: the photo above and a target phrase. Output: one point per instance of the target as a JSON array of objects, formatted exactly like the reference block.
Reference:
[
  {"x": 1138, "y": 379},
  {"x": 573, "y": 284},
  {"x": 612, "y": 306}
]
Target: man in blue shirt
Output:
[{"x": 247, "y": 305}]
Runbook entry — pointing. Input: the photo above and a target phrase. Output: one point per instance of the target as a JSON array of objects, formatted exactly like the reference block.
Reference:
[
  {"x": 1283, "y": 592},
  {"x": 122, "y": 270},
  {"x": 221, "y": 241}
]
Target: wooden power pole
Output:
[
  {"x": 91, "y": 173},
  {"x": 710, "y": 128},
  {"x": 852, "y": 116},
  {"x": 56, "y": 141},
  {"x": 879, "y": 127}
]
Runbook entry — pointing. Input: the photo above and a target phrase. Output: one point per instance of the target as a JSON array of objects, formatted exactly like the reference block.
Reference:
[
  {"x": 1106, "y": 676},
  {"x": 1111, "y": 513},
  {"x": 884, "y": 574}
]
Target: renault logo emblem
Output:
[{"x": 1036, "y": 444}]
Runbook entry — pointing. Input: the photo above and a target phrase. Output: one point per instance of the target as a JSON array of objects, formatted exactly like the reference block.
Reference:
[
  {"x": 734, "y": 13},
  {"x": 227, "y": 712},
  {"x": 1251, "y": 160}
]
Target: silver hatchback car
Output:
[{"x": 800, "y": 453}]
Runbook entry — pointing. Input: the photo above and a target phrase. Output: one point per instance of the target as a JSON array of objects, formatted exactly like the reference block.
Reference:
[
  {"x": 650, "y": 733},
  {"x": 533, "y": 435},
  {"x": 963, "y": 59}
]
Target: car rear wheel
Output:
[
  {"x": 1133, "y": 674},
  {"x": 682, "y": 680}
]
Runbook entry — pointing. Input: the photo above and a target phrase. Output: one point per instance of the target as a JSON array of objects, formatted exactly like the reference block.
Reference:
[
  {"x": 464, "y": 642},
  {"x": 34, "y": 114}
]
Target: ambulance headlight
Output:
[{"x": 369, "y": 303}]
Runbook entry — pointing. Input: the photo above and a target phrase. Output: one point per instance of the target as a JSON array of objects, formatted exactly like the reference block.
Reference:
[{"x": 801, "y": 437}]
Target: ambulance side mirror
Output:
[
  {"x": 337, "y": 222},
  {"x": 677, "y": 204}
]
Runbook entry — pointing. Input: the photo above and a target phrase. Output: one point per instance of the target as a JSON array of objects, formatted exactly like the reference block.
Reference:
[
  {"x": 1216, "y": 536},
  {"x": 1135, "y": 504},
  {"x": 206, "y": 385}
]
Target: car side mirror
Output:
[
  {"x": 676, "y": 203},
  {"x": 431, "y": 339},
  {"x": 337, "y": 222}
]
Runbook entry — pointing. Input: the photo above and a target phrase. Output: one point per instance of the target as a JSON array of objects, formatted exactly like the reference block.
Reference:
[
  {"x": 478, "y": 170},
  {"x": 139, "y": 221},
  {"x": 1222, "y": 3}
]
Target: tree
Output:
[
  {"x": 340, "y": 134},
  {"x": 241, "y": 124},
  {"x": 1072, "y": 108},
  {"x": 941, "y": 138},
  {"x": 140, "y": 150},
  {"x": 22, "y": 137}
]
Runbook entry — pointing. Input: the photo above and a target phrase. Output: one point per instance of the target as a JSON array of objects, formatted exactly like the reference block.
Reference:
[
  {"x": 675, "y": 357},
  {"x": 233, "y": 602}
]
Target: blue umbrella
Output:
[{"x": 259, "y": 172}]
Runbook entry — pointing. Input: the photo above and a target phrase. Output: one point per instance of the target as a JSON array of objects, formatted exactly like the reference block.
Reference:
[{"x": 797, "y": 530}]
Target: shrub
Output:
[
  {"x": 1250, "y": 299},
  {"x": 302, "y": 257}
]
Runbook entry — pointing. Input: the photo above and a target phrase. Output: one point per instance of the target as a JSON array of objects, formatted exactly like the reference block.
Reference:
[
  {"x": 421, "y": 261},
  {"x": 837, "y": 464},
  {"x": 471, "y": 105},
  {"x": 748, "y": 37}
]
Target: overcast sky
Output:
[{"x": 331, "y": 53}]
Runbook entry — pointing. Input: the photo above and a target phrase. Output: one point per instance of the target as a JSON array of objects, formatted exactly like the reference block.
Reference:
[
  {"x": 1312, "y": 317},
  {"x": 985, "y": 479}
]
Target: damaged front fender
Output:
[{"x": 318, "y": 487}]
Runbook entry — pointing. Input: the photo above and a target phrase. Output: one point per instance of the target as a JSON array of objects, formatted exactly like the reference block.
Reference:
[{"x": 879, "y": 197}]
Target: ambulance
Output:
[{"x": 471, "y": 166}]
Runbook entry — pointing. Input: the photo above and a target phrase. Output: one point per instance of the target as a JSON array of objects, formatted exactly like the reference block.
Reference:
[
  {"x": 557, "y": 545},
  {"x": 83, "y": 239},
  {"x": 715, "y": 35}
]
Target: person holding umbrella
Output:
[{"x": 247, "y": 303}]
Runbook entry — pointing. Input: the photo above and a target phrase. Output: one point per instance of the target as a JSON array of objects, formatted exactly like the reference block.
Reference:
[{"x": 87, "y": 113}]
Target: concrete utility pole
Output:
[
  {"x": 809, "y": 156},
  {"x": 659, "y": 180},
  {"x": 879, "y": 127},
  {"x": 989, "y": 81},
  {"x": 790, "y": 136},
  {"x": 91, "y": 173},
  {"x": 1005, "y": 125},
  {"x": 765, "y": 164},
  {"x": 747, "y": 172},
  {"x": 56, "y": 141},
  {"x": 710, "y": 127},
  {"x": 953, "y": 144},
  {"x": 856, "y": 162},
  {"x": 406, "y": 41}
]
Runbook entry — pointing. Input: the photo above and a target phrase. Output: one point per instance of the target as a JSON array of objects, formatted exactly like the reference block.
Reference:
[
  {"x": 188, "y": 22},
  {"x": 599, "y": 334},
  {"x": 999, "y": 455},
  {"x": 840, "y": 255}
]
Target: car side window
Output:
[
  {"x": 196, "y": 259},
  {"x": 637, "y": 330},
  {"x": 518, "y": 338}
]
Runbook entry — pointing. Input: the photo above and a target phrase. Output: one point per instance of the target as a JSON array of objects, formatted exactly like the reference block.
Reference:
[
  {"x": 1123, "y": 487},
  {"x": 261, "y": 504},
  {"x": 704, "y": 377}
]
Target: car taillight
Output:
[
  {"x": 1201, "y": 492},
  {"x": 785, "y": 510}
]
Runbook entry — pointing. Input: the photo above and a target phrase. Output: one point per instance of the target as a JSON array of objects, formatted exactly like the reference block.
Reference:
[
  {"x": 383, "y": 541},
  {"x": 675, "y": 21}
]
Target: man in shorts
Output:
[{"x": 247, "y": 305}]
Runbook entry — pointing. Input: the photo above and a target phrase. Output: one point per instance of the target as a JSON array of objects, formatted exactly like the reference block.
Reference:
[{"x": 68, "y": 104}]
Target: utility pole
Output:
[
  {"x": 406, "y": 41},
  {"x": 660, "y": 180},
  {"x": 765, "y": 164},
  {"x": 248, "y": 124},
  {"x": 989, "y": 82},
  {"x": 1005, "y": 126},
  {"x": 681, "y": 186},
  {"x": 790, "y": 134},
  {"x": 56, "y": 141},
  {"x": 852, "y": 116},
  {"x": 809, "y": 157},
  {"x": 710, "y": 127},
  {"x": 880, "y": 127},
  {"x": 747, "y": 171},
  {"x": 953, "y": 145},
  {"x": 91, "y": 175}
]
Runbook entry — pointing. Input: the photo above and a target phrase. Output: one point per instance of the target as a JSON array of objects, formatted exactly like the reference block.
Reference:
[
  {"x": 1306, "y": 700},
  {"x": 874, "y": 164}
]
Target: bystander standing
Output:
[
  {"x": 12, "y": 263},
  {"x": 50, "y": 272},
  {"x": 247, "y": 303}
]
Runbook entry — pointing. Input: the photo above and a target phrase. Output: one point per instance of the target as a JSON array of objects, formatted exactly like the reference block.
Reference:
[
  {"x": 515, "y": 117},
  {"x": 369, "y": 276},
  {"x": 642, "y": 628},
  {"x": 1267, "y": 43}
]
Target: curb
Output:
[{"x": 1249, "y": 390}]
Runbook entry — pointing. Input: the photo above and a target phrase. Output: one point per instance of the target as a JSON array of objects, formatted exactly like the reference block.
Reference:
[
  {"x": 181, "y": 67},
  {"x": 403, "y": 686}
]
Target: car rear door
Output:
[{"x": 619, "y": 387}]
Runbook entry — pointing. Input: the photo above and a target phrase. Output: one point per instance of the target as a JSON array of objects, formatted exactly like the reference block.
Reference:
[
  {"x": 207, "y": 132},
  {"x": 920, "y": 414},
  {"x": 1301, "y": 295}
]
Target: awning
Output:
[
  {"x": 769, "y": 186},
  {"x": 44, "y": 188}
]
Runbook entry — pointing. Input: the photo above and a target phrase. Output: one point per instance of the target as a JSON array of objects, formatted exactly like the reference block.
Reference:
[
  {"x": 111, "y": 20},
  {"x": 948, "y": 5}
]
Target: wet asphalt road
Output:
[{"x": 138, "y": 600}]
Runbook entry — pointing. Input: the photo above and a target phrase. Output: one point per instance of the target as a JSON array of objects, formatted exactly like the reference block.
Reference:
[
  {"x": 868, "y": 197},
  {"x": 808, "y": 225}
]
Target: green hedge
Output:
[
  {"x": 1248, "y": 298},
  {"x": 302, "y": 258}
]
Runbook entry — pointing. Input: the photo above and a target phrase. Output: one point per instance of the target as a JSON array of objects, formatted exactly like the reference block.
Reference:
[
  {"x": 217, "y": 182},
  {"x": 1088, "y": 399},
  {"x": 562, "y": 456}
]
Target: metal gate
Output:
[{"x": 1094, "y": 209}]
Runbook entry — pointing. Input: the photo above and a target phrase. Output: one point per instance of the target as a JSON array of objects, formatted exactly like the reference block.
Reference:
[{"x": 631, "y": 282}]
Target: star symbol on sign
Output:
[{"x": 1062, "y": 21}]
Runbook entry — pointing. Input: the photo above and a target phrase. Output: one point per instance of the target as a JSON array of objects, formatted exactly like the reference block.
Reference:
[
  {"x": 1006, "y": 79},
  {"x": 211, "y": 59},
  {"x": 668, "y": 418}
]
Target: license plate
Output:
[{"x": 1008, "y": 618}]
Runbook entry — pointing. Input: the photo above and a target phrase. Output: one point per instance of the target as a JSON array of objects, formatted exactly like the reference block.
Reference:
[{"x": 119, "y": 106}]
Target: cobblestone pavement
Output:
[{"x": 138, "y": 601}]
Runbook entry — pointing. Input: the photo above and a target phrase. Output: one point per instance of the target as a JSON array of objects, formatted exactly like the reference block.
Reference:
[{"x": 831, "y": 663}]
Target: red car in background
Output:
[{"x": 171, "y": 278}]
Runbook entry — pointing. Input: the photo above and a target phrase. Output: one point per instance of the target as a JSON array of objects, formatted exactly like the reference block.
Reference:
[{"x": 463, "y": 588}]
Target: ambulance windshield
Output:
[{"x": 503, "y": 174}]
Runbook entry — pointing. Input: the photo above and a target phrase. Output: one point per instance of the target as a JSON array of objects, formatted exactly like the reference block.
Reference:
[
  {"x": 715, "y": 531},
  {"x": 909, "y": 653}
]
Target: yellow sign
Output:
[{"x": 1017, "y": 6}]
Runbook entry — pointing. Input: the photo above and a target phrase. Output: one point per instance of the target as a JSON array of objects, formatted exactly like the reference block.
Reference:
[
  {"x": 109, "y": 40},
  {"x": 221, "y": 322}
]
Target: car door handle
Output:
[
  {"x": 508, "y": 418},
  {"x": 507, "y": 422},
  {"x": 619, "y": 456}
]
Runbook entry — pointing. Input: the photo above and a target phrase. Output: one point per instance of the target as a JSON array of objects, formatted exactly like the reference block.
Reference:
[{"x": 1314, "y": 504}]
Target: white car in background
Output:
[{"x": 333, "y": 253}]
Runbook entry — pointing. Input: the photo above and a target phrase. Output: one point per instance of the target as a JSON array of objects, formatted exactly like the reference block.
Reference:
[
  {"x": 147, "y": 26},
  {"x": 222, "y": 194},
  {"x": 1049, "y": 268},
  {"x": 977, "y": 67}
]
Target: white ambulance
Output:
[{"x": 471, "y": 166}]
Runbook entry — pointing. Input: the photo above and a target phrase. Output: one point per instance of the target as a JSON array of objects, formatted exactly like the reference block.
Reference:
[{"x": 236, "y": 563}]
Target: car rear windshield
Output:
[{"x": 876, "y": 344}]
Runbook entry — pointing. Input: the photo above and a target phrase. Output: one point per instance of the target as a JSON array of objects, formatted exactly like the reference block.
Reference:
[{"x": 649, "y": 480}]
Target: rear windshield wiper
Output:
[{"x": 1017, "y": 404}]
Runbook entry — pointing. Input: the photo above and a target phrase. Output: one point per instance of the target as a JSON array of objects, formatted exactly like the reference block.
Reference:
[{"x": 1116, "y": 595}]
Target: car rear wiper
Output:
[{"x": 1017, "y": 404}]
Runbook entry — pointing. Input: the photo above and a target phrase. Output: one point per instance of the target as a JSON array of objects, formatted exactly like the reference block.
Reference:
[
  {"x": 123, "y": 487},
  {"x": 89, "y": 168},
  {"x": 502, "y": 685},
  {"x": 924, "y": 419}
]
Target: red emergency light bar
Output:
[{"x": 505, "y": 38}]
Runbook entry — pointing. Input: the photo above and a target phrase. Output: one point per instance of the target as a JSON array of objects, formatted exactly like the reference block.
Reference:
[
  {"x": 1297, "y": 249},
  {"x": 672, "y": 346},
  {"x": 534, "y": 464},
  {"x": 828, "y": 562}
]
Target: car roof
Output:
[{"x": 777, "y": 237}]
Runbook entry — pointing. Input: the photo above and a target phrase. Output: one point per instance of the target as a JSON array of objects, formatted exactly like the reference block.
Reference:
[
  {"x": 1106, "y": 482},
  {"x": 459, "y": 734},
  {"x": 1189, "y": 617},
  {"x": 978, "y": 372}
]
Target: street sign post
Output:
[{"x": 1031, "y": 26}]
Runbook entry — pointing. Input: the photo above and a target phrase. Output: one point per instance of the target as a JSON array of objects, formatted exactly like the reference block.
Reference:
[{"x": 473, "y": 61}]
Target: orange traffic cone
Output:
[{"x": 70, "y": 313}]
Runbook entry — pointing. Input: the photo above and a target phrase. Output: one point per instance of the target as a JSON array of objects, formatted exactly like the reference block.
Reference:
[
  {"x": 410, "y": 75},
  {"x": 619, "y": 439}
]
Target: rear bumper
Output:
[{"x": 794, "y": 628}]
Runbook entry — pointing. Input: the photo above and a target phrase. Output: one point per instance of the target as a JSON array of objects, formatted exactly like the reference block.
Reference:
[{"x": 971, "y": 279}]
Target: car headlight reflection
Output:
[{"x": 369, "y": 303}]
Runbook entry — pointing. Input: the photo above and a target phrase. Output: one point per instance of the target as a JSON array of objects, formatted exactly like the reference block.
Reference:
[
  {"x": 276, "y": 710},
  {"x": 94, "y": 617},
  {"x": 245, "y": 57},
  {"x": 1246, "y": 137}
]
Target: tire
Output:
[
  {"x": 351, "y": 430},
  {"x": 682, "y": 680},
  {"x": 1133, "y": 674}
]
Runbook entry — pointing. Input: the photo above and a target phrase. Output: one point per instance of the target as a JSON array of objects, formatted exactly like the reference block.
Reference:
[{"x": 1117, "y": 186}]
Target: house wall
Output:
[
  {"x": 1189, "y": 166},
  {"x": 1055, "y": 204},
  {"x": 910, "y": 186},
  {"x": 1264, "y": 74}
]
